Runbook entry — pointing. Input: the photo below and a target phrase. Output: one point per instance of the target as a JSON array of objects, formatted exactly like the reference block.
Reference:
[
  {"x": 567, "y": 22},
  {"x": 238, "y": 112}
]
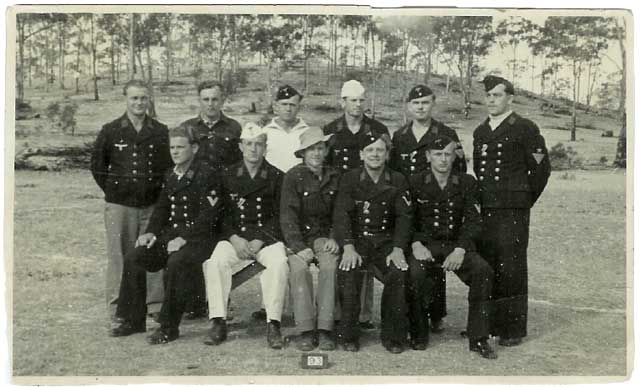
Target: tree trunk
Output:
[
  {"x": 152, "y": 104},
  {"x": 46, "y": 63},
  {"x": 573, "y": 114},
  {"x": 112, "y": 56},
  {"x": 132, "y": 57},
  {"x": 61, "y": 46},
  {"x": 94, "y": 55},
  {"x": 77, "y": 74},
  {"x": 168, "y": 52},
  {"x": 139, "y": 56},
  {"x": 373, "y": 51},
  {"x": 621, "y": 153},
  {"x": 20, "y": 69}
]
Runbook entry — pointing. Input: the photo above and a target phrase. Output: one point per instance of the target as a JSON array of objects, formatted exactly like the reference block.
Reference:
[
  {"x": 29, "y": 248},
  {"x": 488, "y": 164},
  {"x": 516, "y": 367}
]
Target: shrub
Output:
[{"x": 562, "y": 158}]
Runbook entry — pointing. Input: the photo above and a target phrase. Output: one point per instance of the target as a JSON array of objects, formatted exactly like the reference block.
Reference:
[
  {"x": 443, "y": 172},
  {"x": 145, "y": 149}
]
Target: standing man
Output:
[
  {"x": 511, "y": 163},
  {"x": 180, "y": 236},
  {"x": 129, "y": 159},
  {"x": 408, "y": 157},
  {"x": 250, "y": 231},
  {"x": 218, "y": 136},
  {"x": 344, "y": 155},
  {"x": 447, "y": 223},
  {"x": 372, "y": 222},
  {"x": 308, "y": 193}
]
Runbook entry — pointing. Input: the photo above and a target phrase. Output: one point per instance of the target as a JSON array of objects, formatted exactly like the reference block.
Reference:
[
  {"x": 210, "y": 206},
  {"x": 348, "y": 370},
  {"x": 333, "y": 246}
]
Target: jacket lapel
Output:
[{"x": 246, "y": 185}]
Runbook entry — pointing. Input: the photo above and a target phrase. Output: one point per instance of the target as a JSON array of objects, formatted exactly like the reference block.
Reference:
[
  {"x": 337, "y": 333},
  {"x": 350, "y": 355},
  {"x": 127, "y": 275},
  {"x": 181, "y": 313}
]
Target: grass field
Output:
[{"x": 577, "y": 322}]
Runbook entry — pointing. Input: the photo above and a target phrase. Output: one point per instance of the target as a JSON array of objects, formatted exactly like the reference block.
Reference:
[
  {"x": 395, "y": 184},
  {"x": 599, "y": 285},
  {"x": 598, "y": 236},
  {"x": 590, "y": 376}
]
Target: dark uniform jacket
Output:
[
  {"x": 344, "y": 146},
  {"x": 451, "y": 214},
  {"x": 306, "y": 206},
  {"x": 252, "y": 205},
  {"x": 510, "y": 162},
  {"x": 218, "y": 144},
  {"x": 129, "y": 166},
  {"x": 375, "y": 212},
  {"x": 408, "y": 155},
  {"x": 188, "y": 207}
]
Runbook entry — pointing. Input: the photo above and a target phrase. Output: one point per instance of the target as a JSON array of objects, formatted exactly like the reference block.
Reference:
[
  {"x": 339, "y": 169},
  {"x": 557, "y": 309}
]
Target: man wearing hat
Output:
[
  {"x": 447, "y": 223},
  {"x": 344, "y": 155},
  {"x": 308, "y": 193},
  {"x": 372, "y": 223},
  {"x": 180, "y": 236},
  {"x": 250, "y": 231},
  {"x": 408, "y": 157},
  {"x": 512, "y": 166},
  {"x": 218, "y": 136},
  {"x": 283, "y": 132}
]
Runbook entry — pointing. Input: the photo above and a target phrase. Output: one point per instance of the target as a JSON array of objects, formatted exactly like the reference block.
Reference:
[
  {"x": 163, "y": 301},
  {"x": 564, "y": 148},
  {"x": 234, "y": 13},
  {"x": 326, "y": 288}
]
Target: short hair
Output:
[
  {"x": 135, "y": 83},
  {"x": 210, "y": 85},
  {"x": 185, "y": 131}
]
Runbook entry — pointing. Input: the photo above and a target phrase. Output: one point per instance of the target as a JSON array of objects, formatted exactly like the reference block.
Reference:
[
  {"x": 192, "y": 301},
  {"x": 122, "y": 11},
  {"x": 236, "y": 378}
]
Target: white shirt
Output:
[
  {"x": 494, "y": 122},
  {"x": 281, "y": 145}
]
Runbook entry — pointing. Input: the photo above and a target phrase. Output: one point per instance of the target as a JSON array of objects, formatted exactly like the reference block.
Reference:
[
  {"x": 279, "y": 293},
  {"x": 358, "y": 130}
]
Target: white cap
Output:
[
  {"x": 251, "y": 130},
  {"x": 352, "y": 88}
]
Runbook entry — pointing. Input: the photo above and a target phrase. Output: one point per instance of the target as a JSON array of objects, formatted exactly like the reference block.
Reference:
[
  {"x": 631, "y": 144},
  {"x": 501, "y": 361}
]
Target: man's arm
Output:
[
  {"x": 343, "y": 212},
  {"x": 100, "y": 158},
  {"x": 289, "y": 210},
  {"x": 403, "y": 214},
  {"x": 537, "y": 159},
  {"x": 472, "y": 220}
]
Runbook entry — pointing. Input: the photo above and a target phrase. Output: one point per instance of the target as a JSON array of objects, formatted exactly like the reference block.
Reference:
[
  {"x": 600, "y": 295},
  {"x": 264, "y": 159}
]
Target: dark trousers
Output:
[
  {"x": 475, "y": 272},
  {"x": 393, "y": 308},
  {"x": 183, "y": 268},
  {"x": 438, "y": 304},
  {"x": 504, "y": 245}
]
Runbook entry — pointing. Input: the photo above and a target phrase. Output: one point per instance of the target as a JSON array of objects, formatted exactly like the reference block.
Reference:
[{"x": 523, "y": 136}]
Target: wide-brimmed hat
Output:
[{"x": 310, "y": 137}]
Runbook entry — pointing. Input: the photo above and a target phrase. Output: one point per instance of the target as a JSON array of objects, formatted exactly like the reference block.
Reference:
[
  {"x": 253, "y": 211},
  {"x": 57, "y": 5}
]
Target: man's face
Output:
[
  {"x": 253, "y": 149},
  {"x": 315, "y": 154},
  {"x": 137, "y": 100},
  {"x": 181, "y": 151},
  {"x": 420, "y": 108},
  {"x": 211, "y": 101},
  {"x": 287, "y": 109},
  {"x": 374, "y": 155},
  {"x": 442, "y": 159},
  {"x": 353, "y": 106},
  {"x": 498, "y": 101}
]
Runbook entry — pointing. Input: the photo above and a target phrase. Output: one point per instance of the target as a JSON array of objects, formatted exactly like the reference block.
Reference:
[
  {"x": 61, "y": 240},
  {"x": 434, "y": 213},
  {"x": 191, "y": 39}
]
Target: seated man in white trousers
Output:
[{"x": 251, "y": 231}]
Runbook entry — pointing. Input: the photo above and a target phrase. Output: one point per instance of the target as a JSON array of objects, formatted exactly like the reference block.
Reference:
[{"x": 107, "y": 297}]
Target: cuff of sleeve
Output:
[{"x": 466, "y": 244}]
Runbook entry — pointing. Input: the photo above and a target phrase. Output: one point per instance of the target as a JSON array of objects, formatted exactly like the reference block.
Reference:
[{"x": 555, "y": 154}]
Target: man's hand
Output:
[
  {"x": 255, "y": 246},
  {"x": 350, "y": 259},
  {"x": 306, "y": 255},
  {"x": 454, "y": 260},
  {"x": 421, "y": 252},
  {"x": 331, "y": 246},
  {"x": 397, "y": 257},
  {"x": 242, "y": 247},
  {"x": 175, "y": 244},
  {"x": 146, "y": 240}
]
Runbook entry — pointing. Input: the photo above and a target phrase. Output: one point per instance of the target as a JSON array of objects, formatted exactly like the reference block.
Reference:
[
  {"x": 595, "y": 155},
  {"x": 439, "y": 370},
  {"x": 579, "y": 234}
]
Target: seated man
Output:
[
  {"x": 308, "y": 193},
  {"x": 179, "y": 237},
  {"x": 250, "y": 231},
  {"x": 372, "y": 221},
  {"x": 447, "y": 222}
]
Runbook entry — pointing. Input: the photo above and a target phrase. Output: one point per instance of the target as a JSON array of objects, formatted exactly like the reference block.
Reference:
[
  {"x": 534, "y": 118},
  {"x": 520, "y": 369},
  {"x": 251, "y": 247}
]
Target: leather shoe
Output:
[
  {"x": 483, "y": 348},
  {"x": 306, "y": 342},
  {"x": 127, "y": 328},
  {"x": 437, "y": 326},
  {"x": 510, "y": 342},
  {"x": 259, "y": 315},
  {"x": 274, "y": 338},
  {"x": 417, "y": 345},
  {"x": 393, "y": 347},
  {"x": 326, "y": 341},
  {"x": 217, "y": 333},
  {"x": 367, "y": 325},
  {"x": 163, "y": 336},
  {"x": 351, "y": 346}
]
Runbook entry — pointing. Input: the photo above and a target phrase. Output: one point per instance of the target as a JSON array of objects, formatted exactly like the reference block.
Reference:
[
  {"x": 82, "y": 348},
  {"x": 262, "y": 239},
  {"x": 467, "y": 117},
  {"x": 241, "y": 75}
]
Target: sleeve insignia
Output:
[
  {"x": 477, "y": 206},
  {"x": 212, "y": 200},
  {"x": 538, "y": 157}
]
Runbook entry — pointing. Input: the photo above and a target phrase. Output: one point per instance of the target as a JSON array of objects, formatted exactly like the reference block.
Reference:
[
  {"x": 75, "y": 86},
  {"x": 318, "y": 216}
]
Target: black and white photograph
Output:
[{"x": 318, "y": 194}]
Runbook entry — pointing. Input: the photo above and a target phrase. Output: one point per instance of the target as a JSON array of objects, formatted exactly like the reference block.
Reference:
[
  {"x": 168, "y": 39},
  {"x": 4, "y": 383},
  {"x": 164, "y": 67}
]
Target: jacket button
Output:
[
  {"x": 134, "y": 171},
  {"x": 481, "y": 169},
  {"x": 259, "y": 215},
  {"x": 367, "y": 220},
  {"x": 413, "y": 168},
  {"x": 483, "y": 162},
  {"x": 259, "y": 224},
  {"x": 258, "y": 207},
  {"x": 498, "y": 161},
  {"x": 175, "y": 225},
  {"x": 241, "y": 216},
  {"x": 345, "y": 167},
  {"x": 499, "y": 145},
  {"x": 184, "y": 198},
  {"x": 151, "y": 146},
  {"x": 134, "y": 154},
  {"x": 173, "y": 213},
  {"x": 186, "y": 215},
  {"x": 499, "y": 153},
  {"x": 258, "y": 199},
  {"x": 451, "y": 226},
  {"x": 481, "y": 177},
  {"x": 173, "y": 198},
  {"x": 383, "y": 228},
  {"x": 173, "y": 206},
  {"x": 243, "y": 229},
  {"x": 436, "y": 210},
  {"x": 497, "y": 169},
  {"x": 345, "y": 158},
  {"x": 345, "y": 149},
  {"x": 497, "y": 178},
  {"x": 484, "y": 154},
  {"x": 436, "y": 224}
]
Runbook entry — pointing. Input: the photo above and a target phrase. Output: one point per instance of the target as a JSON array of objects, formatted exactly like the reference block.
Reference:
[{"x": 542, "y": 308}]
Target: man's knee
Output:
[
  {"x": 297, "y": 266},
  {"x": 328, "y": 263}
]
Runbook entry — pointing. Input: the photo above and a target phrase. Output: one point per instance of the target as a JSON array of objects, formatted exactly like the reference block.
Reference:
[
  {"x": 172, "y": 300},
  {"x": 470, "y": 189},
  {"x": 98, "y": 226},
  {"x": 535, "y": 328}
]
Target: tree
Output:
[
  {"x": 511, "y": 32},
  {"x": 305, "y": 26},
  {"x": 619, "y": 31},
  {"x": 115, "y": 26},
  {"x": 422, "y": 37}
]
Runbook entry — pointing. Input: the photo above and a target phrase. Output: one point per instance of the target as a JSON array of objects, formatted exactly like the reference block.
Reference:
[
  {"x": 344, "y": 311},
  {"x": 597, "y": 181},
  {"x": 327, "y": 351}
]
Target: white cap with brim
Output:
[
  {"x": 352, "y": 89},
  {"x": 251, "y": 130}
]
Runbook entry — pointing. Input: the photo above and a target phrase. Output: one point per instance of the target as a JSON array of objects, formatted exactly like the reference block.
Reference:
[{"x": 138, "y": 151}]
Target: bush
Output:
[
  {"x": 562, "y": 158},
  {"x": 52, "y": 110},
  {"x": 231, "y": 81}
]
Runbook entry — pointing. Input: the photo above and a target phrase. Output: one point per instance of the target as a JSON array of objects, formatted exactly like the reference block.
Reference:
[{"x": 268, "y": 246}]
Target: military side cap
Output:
[
  {"x": 419, "y": 91},
  {"x": 440, "y": 142},
  {"x": 286, "y": 92},
  {"x": 251, "y": 130},
  {"x": 370, "y": 138},
  {"x": 352, "y": 89},
  {"x": 491, "y": 81},
  {"x": 310, "y": 137}
]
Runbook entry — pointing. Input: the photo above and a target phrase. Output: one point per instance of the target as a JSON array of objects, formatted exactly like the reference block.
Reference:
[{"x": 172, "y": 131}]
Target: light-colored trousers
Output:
[
  {"x": 218, "y": 271},
  {"x": 301, "y": 282},
  {"x": 123, "y": 225}
]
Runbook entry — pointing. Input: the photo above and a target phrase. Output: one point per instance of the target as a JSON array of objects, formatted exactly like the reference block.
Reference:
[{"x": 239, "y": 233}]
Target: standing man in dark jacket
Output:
[
  {"x": 129, "y": 159},
  {"x": 180, "y": 236},
  {"x": 372, "y": 222},
  {"x": 408, "y": 157},
  {"x": 218, "y": 136},
  {"x": 250, "y": 231},
  {"x": 447, "y": 224},
  {"x": 308, "y": 194},
  {"x": 511, "y": 163}
]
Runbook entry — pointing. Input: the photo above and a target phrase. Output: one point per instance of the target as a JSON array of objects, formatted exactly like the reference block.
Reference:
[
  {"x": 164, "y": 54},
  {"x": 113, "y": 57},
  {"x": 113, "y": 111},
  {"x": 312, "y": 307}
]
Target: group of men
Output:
[{"x": 348, "y": 197}]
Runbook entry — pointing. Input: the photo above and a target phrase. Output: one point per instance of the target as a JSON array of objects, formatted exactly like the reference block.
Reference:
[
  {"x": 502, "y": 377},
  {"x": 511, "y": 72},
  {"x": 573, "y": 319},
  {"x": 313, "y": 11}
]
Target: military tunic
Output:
[
  {"x": 375, "y": 218},
  {"x": 448, "y": 218},
  {"x": 218, "y": 143},
  {"x": 189, "y": 207},
  {"x": 344, "y": 153},
  {"x": 512, "y": 167}
]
